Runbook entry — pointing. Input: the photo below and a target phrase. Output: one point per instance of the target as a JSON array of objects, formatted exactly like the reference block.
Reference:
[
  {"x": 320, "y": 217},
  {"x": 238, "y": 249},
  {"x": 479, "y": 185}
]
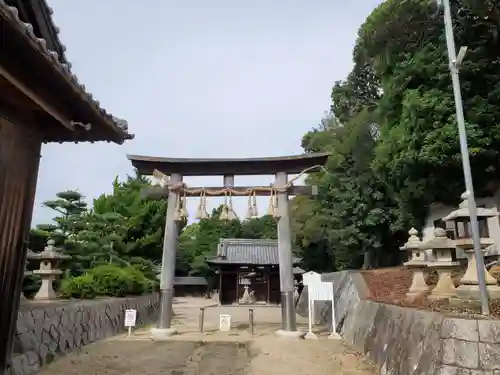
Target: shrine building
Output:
[{"x": 250, "y": 265}]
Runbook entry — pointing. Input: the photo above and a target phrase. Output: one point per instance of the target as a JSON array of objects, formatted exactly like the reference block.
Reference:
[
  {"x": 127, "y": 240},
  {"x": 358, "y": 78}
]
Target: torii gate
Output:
[{"x": 175, "y": 190}]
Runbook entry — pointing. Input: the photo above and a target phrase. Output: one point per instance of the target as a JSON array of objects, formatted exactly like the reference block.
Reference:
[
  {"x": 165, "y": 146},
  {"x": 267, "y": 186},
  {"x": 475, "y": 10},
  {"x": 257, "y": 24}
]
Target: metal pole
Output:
[
  {"x": 454, "y": 68},
  {"x": 250, "y": 320},
  {"x": 202, "y": 319},
  {"x": 285, "y": 256},
  {"x": 168, "y": 258}
]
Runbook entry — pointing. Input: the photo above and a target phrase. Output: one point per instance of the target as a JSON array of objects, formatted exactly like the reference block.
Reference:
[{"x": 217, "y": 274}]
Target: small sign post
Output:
[
  {"x": 225, "y": 322},
  {"x": 321, "y": 291},
  {"x": 130, "y": 320},
  {"x": 308, "y": 279}
]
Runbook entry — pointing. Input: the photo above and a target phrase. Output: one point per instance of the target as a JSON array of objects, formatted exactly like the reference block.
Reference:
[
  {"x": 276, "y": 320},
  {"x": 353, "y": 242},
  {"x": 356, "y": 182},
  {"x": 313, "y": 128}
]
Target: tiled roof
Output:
[
  {"x": 248, "y": 251},
  {"x": 190, "y": 280},
  {"x": 11, "y": 14}
]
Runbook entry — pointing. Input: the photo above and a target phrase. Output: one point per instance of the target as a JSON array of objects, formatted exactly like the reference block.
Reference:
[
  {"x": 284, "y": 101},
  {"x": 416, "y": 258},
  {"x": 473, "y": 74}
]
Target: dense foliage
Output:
[{"x": 392, "y": 130}]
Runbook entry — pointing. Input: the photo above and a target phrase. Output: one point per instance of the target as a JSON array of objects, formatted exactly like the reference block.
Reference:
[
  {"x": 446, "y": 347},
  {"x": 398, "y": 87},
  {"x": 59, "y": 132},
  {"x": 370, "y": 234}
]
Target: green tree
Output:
[
  {"x": 349, "y": 223},
  {"x": 70, "y": 207},
  {"x": 145, "y": 218},
  {"x": 418, "y": 152},
  {"x": 103, "y": 240}
]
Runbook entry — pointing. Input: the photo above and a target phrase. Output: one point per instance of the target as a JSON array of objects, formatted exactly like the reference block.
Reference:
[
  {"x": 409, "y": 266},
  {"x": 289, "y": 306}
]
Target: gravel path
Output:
[{"x": 214, "y": 353}]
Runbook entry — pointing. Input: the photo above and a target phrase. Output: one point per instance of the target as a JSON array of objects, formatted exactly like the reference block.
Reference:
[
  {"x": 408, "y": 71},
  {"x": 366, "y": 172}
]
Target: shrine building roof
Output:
[{"x": 261, "y": 252}]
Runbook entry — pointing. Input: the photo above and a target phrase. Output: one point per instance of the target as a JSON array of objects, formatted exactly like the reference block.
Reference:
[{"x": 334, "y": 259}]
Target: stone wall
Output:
[
  {"x": 406, "y": 341},
  {"x": 46, "y": 331}
]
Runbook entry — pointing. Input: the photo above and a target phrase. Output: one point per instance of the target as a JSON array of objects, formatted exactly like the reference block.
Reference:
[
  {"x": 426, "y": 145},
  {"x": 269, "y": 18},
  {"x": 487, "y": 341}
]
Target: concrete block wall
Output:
[
  {"x": 405, "y": 341},
  {"x": 46, "y": 331}
]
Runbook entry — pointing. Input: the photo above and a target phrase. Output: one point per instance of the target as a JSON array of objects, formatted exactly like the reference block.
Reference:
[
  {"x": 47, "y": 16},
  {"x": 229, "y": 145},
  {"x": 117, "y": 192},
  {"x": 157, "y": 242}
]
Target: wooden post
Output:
[
  {"x": 168, "y": 262},
  {"x": 285, "y": 257},
  {"x": 237, "y": 287},
  {"x": 268, "y": 280},
  {"x": 20, "y": 156}
]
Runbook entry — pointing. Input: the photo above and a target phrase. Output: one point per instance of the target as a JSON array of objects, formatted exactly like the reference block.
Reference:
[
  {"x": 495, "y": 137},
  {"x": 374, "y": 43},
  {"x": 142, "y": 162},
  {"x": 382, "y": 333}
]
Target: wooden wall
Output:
[{"x": 20, "y": 148}]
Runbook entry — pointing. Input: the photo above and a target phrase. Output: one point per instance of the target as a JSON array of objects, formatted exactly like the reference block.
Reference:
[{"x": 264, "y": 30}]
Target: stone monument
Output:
[
  {"x": 246, "y": 296},
  {"x": 469, "y": 283},
  {"x": 417, "y": 264},
  {"x": 443, "y": 250},
  {"x": 50, "y": 259}
]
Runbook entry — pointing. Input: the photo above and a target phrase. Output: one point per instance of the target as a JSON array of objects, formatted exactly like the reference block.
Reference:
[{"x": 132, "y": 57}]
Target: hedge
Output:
[{"x": 107, "y": 280}]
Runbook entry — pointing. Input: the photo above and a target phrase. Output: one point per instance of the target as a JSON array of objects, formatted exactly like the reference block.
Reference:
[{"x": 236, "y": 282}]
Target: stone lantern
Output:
[
  {"x": 469, "y": 283},
  {"x": 443, "y": 250},
  {"x": 50, "y": 259},
  {"x": 417, "y": 263}
]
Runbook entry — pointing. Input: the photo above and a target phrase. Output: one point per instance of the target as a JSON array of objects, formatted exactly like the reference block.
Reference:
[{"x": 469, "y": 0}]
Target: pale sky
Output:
[{"x": 199, "y": 78}]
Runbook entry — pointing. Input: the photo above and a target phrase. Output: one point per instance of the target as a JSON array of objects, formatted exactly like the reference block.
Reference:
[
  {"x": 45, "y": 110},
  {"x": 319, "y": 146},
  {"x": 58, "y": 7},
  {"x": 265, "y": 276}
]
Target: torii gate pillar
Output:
[
  {"x": 285, "y": 257},
  {"x": 167, "y": 275}
]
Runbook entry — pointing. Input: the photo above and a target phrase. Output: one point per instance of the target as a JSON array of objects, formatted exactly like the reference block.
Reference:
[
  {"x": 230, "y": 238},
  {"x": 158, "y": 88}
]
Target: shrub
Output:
[
  {"x": 82, "y": 287},
  {"x": 139, "y": 283},
  {"x": 112, "y": 280},
  {"x": 107, "y": 280}
]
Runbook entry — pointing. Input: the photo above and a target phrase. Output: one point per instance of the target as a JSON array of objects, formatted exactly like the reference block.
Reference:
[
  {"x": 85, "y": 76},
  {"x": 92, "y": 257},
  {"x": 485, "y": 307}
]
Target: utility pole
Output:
[{"x": 455, "y": 63}]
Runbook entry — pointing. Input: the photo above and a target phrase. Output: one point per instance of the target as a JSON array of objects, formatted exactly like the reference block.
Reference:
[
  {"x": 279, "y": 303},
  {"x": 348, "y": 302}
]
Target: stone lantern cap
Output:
[
  {"x": 413, "y": 242},
  {"x": 464, "y": 212},
  {"x": 51, "y": 253},
  {"x": 417, "y": 256},
  {"x": 439, "y": 242}
]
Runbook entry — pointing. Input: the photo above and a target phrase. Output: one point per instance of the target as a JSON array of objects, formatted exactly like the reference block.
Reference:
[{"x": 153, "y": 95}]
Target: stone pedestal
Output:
[
  {"x": 46, "y": 292},
  {"x": 294, "y": 335},
  {"x": 163, "y": 333},
  {"x": 418, "y": 284},
  {"x": 445, "y": 287},
  {"x": 469, "y": 283}
]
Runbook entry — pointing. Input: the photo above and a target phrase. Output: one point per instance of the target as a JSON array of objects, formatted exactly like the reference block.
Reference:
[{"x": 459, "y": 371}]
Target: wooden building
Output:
[
  {"x": 191, "y": 286},
  {"x": 41, "y": 100},
  {"x": 250, "y": 263}
]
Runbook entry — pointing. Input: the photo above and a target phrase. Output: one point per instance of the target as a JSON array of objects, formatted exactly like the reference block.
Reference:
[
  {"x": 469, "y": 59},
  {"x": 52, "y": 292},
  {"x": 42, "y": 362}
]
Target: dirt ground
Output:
[
  {"x": 214, "y": 352},
  {"x": 390, "y": 285}
]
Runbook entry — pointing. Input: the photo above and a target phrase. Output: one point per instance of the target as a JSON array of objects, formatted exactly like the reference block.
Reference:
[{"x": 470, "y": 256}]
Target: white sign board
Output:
[
  {"x": 130, "y": 318},
  {"x": 224, "y": 322},
  {"x": 318, "y": 290}
]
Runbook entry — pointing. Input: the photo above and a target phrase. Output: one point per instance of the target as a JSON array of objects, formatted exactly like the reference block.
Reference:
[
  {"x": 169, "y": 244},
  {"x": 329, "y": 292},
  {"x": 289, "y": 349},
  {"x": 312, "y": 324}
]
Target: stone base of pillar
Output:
[
  {"x": 163, "y": 333},
  {"x": 294, "y": 335},
  {"x": 472, "y": 293}
]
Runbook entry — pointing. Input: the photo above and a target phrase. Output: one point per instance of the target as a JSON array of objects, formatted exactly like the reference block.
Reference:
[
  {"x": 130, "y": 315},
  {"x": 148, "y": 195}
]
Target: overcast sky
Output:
[{"x": 199, "y": 78}]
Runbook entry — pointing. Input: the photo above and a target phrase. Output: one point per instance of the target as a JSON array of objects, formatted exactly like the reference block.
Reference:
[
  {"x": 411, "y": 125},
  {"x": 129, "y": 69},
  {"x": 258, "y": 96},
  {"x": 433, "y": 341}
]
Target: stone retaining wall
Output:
[
  {"x": 46, "y": 331},
  {"x": 405, "y": 341}
]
